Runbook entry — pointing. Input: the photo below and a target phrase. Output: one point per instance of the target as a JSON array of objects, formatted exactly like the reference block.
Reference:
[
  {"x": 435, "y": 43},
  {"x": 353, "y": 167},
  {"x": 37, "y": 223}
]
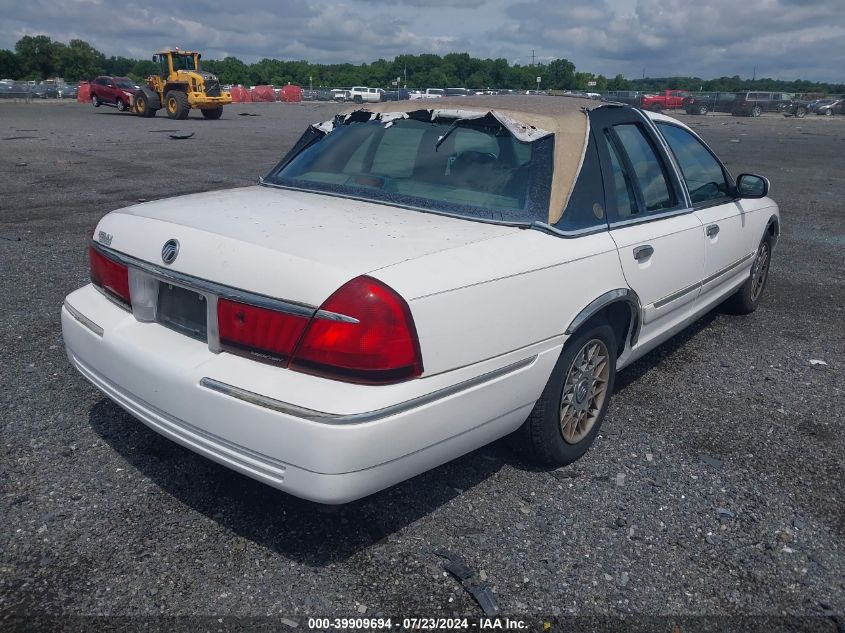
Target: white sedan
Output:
[{"x": 409, "y": 284}]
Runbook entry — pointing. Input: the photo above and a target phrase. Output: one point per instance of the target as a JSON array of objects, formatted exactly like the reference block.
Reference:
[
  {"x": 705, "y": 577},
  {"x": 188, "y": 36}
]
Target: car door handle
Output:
[
  {"x": 643, "y": 252},
  {"x": 713, "y": 230}
]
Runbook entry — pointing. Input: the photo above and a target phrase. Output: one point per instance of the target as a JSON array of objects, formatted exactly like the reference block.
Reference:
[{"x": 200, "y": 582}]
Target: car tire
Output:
[
  {"x": 212, "y": 113},
  {"x": 121, "y": 106},
  {"x": 703, "y": 109},
  {"x": 756, "y": 111},
  {"x": 568, "y": 415},
  {"x": 656, "y": 108},
  {"x": 746, "y": 299},
  {"x": 176, "y": 104},
  {"x": 828, "y": 112},
  {"x": 95, "y": 101},
  {"x": 358, "y": 99},
  {"x": 800, "y": 113}
]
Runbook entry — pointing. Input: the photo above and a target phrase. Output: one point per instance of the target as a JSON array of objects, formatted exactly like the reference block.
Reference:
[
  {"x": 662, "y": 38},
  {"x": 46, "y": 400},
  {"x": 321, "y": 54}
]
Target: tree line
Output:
[{"x": 39, "y": 57}]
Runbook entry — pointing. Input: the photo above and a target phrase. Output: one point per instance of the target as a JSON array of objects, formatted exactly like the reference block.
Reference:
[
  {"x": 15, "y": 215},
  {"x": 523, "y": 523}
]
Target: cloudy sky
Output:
[{"x": 786, "y": 39}]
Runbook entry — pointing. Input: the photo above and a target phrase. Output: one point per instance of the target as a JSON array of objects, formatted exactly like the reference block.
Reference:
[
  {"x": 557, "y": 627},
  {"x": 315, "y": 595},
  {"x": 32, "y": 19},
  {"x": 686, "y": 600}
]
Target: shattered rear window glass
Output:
[{"x": 473, "y": 168}]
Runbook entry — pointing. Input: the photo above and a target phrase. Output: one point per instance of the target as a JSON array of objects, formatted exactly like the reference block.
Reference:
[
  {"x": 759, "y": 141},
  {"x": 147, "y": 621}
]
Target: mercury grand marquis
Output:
[{"x": 412, "y": 282}]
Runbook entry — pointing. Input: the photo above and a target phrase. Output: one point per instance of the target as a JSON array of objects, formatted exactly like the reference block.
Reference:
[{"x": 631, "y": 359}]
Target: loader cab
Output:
[
  {"x": 164, "y": 68},
  {"x": 171, "y": 62},
  {"x": 185, "y": 61}
]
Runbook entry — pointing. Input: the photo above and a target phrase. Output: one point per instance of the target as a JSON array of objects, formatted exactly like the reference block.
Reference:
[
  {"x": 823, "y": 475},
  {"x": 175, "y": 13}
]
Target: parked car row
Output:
[
  {"x": 747, "y": 103},
  {"x": 825, "y": 107},
  {"x": 32, "y": 90}
]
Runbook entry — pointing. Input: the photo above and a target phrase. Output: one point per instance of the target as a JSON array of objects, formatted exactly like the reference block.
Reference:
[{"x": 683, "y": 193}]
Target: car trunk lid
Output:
[{"x": 288, "y": 244}]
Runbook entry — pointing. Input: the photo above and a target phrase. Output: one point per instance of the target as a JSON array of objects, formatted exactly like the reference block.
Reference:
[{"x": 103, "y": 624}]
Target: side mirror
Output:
[
  {"x": 155, "y": 58},
  {"x": 752, "y": 186}
]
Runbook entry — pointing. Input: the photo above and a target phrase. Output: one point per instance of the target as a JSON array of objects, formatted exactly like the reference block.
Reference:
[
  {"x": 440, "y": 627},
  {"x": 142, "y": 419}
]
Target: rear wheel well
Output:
[{"x": 618, "y": 315}]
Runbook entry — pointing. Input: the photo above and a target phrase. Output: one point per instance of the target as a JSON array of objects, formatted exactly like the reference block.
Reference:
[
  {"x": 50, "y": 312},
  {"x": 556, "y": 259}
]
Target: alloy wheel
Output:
[
  {"x": 584, "y": 391},
  {"x": 760, "y": 271}
]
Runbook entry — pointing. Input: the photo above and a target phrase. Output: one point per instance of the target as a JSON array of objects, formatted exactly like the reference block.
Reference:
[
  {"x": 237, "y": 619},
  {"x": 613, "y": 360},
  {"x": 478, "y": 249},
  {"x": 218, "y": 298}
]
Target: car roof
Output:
[{"x": 528, "y": 118}]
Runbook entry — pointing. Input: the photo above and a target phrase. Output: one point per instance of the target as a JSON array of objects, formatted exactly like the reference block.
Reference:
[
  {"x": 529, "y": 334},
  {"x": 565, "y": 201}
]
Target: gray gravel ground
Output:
[{"x": 715, "y": 488}]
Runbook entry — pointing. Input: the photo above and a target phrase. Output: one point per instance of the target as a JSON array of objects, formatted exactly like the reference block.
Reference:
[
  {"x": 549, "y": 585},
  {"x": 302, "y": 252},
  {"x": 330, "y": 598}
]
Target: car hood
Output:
[{"x": 284, "y": 243}]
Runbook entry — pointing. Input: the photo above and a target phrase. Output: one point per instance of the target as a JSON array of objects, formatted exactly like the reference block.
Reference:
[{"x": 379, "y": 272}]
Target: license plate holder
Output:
[{"x": 182, "y": 310}]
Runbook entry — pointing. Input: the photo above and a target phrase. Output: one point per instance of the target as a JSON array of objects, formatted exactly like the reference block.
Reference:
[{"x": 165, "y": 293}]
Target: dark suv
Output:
[
  {"x": 704, "y": 102},
  {"x": 113, "y": 91},
  {"x": 756, "y": 103}
]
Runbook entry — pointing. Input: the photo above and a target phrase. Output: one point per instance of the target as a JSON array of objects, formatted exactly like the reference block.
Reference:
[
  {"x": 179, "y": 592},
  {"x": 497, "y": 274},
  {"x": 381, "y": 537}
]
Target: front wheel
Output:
[
  {"x": 747, "y": 298},
  {"x": 800, "y": 113},
  {"x": 142, "y": 106},
  {"x": 567, "y": 417},
  {"x": 177, "y": 106},
  {"x": 121, "y": 107},
  {"x": 212, "y": 113},
  {"x": 828, "y": 112},
  {"x": 756, "y": 111},
  {"x": 656, "y": 108},
  {"x": 95, "y": 101},
  {"x": 702, "y": 110}
]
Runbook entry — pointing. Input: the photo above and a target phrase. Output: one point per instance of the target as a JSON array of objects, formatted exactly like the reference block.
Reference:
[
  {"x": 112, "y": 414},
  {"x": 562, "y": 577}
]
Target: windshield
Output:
[
  {"x": 473, "y": 168},
  {"x": 184, "y": 62},
  {"x": 125, "y": 83}
]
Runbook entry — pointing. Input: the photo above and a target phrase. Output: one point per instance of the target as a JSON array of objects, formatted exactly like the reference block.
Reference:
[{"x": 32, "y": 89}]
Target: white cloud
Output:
[{"x": 782, "y": 38}]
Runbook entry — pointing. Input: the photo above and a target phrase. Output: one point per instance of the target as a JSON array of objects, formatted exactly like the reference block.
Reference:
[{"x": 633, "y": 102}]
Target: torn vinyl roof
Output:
[{"x": 528, "y": 118}]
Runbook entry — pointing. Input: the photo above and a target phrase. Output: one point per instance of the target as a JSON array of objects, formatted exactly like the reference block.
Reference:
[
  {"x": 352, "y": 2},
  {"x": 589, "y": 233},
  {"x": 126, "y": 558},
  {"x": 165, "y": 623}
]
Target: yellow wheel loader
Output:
[{"x": 179, "y": 86}]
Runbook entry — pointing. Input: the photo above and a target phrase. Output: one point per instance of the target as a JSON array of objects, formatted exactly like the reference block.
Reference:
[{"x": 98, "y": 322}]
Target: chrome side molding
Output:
[{"x": 369, "y": 416}]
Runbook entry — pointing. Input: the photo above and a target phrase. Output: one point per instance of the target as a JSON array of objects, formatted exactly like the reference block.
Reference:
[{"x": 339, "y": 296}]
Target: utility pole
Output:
[
  {"x": 754, "y": 75},
  {"x": 532, "y": 57}
]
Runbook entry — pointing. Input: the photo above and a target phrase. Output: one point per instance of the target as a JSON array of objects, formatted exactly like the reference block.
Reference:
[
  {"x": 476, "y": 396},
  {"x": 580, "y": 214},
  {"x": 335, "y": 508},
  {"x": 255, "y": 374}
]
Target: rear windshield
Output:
[{"x": 472, "y": 168}]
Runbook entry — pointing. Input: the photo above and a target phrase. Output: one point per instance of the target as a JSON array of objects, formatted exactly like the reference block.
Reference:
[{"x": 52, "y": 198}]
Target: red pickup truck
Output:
[{"x": 668, "y": 100}]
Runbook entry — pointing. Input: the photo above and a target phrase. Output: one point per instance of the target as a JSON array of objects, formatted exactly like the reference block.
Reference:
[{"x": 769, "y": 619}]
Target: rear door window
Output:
[
  {"x": 623, "y": 187},
  {"x": 648, "y": 170}
]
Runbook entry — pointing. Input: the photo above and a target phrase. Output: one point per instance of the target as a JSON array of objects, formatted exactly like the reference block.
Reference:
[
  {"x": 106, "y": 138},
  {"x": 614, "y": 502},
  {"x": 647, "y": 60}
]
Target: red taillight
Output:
[
  {"x": 111, "y": 276},
  {"x": 253, "y": 329},
  {"x": 381, "y": 347}
]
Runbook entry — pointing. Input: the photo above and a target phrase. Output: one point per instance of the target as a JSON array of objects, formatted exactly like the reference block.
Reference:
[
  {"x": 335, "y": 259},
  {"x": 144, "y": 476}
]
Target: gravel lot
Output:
[{"x": 715, "y": 489}]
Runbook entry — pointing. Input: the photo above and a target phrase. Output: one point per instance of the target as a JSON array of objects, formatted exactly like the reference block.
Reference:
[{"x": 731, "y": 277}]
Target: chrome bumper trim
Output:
[
  {"x": 360, "y": 418},
  {"x": 84, "y": 320}
]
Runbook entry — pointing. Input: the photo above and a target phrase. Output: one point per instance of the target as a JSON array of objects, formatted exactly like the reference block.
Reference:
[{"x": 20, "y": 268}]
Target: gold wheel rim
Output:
[
  {"x": 584, "y": 391},
  {"x": 171, "y": 105},
  {"x": 760, "y": 271}
]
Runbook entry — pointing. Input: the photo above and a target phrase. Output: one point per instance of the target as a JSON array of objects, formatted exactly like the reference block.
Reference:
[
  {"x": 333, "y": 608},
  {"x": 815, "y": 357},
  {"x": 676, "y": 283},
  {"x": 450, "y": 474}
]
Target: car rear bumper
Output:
[{"x": 279, "y": 426}]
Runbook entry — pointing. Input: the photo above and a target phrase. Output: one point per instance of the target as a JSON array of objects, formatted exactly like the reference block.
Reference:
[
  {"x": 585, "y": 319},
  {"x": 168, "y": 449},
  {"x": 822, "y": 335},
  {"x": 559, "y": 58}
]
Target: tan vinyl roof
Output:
[{"x": 565, "y": 117}]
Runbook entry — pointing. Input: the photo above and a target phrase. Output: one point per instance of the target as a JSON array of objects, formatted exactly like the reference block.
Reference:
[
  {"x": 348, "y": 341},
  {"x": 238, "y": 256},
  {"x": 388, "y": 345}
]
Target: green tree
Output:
[
  {"x": 617, "y": 83},
  {"x": 78, "y": 60},
  {"x": 560, "y": 74},
  {"x": 142, "y": 69},
  {"x": 10, "y": 65},
  {"x": 35, "y": 53}
]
